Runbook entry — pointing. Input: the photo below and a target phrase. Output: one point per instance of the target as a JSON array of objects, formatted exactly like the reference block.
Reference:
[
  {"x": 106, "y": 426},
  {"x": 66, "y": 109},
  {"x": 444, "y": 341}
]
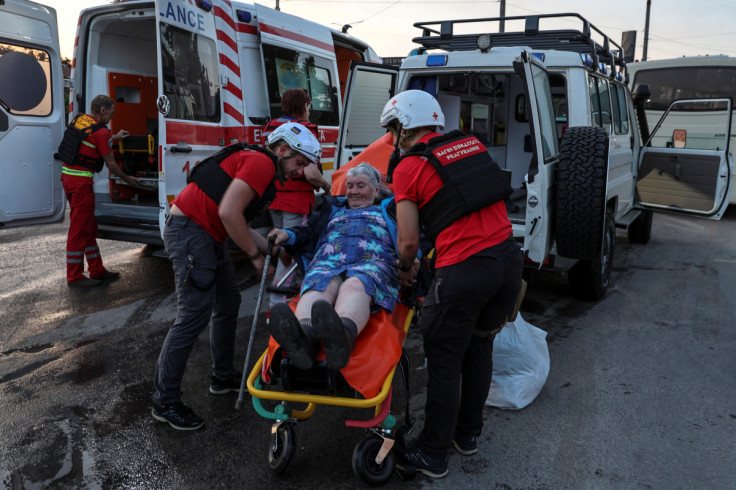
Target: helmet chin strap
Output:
[
  {"x": 280, "y": 170},
  {"x": 393, "y": 160}
]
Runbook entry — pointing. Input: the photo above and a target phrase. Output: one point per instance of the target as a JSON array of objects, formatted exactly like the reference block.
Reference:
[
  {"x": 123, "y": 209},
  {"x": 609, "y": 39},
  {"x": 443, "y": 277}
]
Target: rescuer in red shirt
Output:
[
  {"x": 227, "y": 191},
  {"x": 84, "y": 150},
  {"x": 449, "y": 187}
]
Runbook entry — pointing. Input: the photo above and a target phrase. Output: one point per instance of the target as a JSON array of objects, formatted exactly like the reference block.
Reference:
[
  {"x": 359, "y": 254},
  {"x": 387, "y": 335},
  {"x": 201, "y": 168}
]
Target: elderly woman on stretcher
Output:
[{"x": 348, "y": 248}]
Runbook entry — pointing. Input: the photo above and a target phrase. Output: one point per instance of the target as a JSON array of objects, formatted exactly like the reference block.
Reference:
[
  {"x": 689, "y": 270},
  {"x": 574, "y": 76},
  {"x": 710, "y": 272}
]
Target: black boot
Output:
[
  {"x": 301, "y": 347},
  {"x": 337, "y": 337}
]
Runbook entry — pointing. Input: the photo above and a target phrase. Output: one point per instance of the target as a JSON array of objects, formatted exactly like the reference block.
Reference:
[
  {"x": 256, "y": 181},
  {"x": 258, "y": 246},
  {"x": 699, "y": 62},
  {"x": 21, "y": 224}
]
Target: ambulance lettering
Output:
[{"x": 185, "y": 16}]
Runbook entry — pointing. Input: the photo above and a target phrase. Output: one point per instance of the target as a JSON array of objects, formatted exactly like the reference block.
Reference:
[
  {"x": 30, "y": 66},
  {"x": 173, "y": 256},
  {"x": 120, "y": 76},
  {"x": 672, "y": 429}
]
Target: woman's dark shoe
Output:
[
  {"x": 287, "y": 331},
  {"x": 328, "y": 326}
]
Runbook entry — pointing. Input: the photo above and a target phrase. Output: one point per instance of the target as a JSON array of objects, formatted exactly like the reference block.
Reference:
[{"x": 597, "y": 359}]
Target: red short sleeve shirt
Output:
[
  {"x": 252, "y": 167},
  {"x": 295, "y": 195},
  {"x": 416, "y": 180}
]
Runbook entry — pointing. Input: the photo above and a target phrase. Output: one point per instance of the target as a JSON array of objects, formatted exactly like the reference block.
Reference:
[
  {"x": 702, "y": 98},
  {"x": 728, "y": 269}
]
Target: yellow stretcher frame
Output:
[{"x": 313, "y": 400}]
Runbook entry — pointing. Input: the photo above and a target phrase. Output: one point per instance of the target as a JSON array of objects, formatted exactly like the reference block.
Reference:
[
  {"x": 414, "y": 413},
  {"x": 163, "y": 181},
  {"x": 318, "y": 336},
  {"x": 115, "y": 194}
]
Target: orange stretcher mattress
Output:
[
  {"x": 376, "y": 154},
  {"x": 377, "y": 350}
]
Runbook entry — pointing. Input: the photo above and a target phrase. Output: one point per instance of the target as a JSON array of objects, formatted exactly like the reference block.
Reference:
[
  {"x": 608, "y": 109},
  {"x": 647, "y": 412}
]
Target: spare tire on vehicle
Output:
[
  {"x": 590, "y": 278},
  {"x": 580, "y": 201}
]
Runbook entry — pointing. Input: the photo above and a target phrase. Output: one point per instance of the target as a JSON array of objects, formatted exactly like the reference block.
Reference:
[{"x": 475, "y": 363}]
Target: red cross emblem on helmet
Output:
[
  {"x": 393, "y": 102},
  {"x": 435, "y": 116}
]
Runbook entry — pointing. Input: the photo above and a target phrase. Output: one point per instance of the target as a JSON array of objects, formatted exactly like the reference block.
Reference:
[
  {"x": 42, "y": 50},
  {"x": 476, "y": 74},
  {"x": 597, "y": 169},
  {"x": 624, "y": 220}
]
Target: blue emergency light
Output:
[
  {"x": 437, "y": 60},
  {"x": 243, "y": 15},
  {"x": 205, "y": 5}
]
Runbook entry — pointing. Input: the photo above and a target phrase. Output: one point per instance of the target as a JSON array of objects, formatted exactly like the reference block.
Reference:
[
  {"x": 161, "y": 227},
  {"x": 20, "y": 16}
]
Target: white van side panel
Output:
[{"x": 32, "y": 123}]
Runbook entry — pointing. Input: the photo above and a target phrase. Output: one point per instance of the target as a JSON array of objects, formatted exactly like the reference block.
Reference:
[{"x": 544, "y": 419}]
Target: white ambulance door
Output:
[
  {"x": 545, "y": 154},
  {"x": 678, "y": 172},
  {"x": 368, "y": 88},
  {"x": 298, "y": 53},
  {"x": 32, "y": 115},
  {"x": 190, "y": 101}
]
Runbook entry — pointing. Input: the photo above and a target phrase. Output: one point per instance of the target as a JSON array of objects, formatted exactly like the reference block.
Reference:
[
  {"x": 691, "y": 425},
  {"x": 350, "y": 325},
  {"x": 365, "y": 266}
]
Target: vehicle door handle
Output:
[{"x": 181, "y": 147}]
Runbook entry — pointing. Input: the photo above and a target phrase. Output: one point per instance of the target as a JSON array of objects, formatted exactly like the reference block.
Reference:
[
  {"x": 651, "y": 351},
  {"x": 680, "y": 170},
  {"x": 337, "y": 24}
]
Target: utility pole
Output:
[
  {"x": 502, "y": 24},
  {"x": 646, "y": 31}
]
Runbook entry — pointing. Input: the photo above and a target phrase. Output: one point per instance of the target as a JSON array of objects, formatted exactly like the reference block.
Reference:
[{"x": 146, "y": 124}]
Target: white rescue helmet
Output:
[
  {"x": 299, "y": 138},
  {"x": 413, "y": 109}
]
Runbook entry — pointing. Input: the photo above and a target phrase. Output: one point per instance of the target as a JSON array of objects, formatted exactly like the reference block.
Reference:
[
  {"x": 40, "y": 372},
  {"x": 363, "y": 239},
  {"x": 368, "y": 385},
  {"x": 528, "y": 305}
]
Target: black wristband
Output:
[
  {"x": 254, "y": 256},
  {"x": 402, "y": 268}
]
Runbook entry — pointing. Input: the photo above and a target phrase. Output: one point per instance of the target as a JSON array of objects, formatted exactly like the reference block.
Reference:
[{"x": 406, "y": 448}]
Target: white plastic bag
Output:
[{"x": 520, "y": 365}]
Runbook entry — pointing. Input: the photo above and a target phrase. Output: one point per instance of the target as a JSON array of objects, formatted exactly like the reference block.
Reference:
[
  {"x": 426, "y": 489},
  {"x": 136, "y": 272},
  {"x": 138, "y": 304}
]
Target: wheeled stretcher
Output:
[{"x": 366, "y": 382}]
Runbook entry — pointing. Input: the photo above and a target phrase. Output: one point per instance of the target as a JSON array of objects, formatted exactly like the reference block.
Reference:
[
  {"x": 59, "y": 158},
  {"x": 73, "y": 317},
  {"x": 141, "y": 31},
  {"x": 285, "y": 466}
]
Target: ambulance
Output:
[{"x": 188, "y": 77}]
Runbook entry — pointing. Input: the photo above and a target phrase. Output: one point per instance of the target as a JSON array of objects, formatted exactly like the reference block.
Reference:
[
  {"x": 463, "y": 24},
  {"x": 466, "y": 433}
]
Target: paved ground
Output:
[{"x": 640, "y": 392}]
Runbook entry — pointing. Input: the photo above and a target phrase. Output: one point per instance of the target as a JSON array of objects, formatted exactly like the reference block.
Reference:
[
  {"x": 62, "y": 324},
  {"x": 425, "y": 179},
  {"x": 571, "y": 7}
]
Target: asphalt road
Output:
[{"x": 640, "y": 392}]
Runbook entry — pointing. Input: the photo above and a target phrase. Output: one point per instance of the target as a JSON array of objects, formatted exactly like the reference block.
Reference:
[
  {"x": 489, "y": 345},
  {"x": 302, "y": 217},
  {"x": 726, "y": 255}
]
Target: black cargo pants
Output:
[{"x": 475, "y": 294}]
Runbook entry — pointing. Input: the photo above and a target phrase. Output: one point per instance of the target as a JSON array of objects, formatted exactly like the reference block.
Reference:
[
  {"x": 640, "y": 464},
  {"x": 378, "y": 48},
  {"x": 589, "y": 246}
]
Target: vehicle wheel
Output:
[
  {"x": 280, "y": 457},
  {"x": 364, "y": 462},
  {"x": 581, "y": 192},
  {"x": 640, "y": 230},
  {"x": 589, "y": 279}
]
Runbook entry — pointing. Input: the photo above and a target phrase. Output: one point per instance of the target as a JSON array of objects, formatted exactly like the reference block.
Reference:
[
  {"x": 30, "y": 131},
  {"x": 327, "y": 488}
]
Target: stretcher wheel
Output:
[
  {"x": 281, "y": 451},
  {"x": 364, "y": 462}
]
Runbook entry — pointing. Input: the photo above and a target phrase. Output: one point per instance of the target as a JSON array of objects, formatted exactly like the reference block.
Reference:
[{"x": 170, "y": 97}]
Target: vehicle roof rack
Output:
[{"x": 440, "y": 35}]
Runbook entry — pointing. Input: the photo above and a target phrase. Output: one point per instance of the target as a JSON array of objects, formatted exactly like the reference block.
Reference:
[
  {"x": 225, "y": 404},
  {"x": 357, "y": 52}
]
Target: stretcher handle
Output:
[{"x": 257, "y": 312}]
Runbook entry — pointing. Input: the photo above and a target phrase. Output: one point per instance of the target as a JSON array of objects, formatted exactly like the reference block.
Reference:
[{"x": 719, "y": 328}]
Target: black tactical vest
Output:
[
  {"x": 472, "y": 180},
  {"x": 214, "y": 181},
  {"x": 81, "y": 126}
]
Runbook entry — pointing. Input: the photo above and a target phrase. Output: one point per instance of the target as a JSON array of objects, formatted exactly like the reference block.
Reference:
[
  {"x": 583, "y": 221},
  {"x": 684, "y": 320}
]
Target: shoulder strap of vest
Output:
[
  {"x": 212, "y": 178},
  {"x": 421, "y": 149}
]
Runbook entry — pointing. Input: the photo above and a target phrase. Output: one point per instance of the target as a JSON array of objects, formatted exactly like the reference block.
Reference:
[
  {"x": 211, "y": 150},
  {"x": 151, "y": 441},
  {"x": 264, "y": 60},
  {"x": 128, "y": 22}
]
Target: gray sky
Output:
[{"x": 676, "y": 27}]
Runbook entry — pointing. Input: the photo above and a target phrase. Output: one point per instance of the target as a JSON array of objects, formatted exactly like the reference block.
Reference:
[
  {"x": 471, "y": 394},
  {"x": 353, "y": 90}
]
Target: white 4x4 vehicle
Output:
[{"x": 553, "y": 109}]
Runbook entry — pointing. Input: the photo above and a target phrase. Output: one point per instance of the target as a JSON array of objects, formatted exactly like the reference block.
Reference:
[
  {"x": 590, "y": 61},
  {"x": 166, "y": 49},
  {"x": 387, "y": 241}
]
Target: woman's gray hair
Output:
[{"x": 373, "y": 177}]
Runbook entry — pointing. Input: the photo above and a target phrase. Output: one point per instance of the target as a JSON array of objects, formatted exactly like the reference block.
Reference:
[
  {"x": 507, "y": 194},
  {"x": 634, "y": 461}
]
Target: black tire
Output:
[
  {"x": 581, "y": 192},
  {"x": 589, "y": 279},
  {"x": 640, "y": 230},
  {"x": 280, "y": 457},
  {"x": 364, "y": 462}
]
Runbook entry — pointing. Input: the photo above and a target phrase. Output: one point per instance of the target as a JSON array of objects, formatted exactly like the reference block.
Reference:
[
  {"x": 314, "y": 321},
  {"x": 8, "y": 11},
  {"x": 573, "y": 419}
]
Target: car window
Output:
[
  {"x": 546, "y": 112},
  {"x": 30, "y": 94},
  {"x": 287, "y": 68},
  {"x": 618, "y": 105},
  {"x": 191, "y": 80}
]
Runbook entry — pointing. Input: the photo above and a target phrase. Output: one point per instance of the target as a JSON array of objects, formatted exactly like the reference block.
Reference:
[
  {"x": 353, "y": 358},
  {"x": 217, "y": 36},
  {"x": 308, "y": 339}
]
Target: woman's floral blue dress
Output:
[{"x": 357, "y": 243}]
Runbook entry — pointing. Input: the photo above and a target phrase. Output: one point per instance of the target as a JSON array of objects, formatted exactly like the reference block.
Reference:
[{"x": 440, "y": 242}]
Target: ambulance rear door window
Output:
[{"x": 191, "y": 79}]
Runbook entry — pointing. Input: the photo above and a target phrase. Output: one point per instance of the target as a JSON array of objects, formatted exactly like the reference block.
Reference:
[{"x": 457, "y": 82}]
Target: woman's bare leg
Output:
[
  {"x": 353, "y": 302},
  {"x": 304, "y": 307}
]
